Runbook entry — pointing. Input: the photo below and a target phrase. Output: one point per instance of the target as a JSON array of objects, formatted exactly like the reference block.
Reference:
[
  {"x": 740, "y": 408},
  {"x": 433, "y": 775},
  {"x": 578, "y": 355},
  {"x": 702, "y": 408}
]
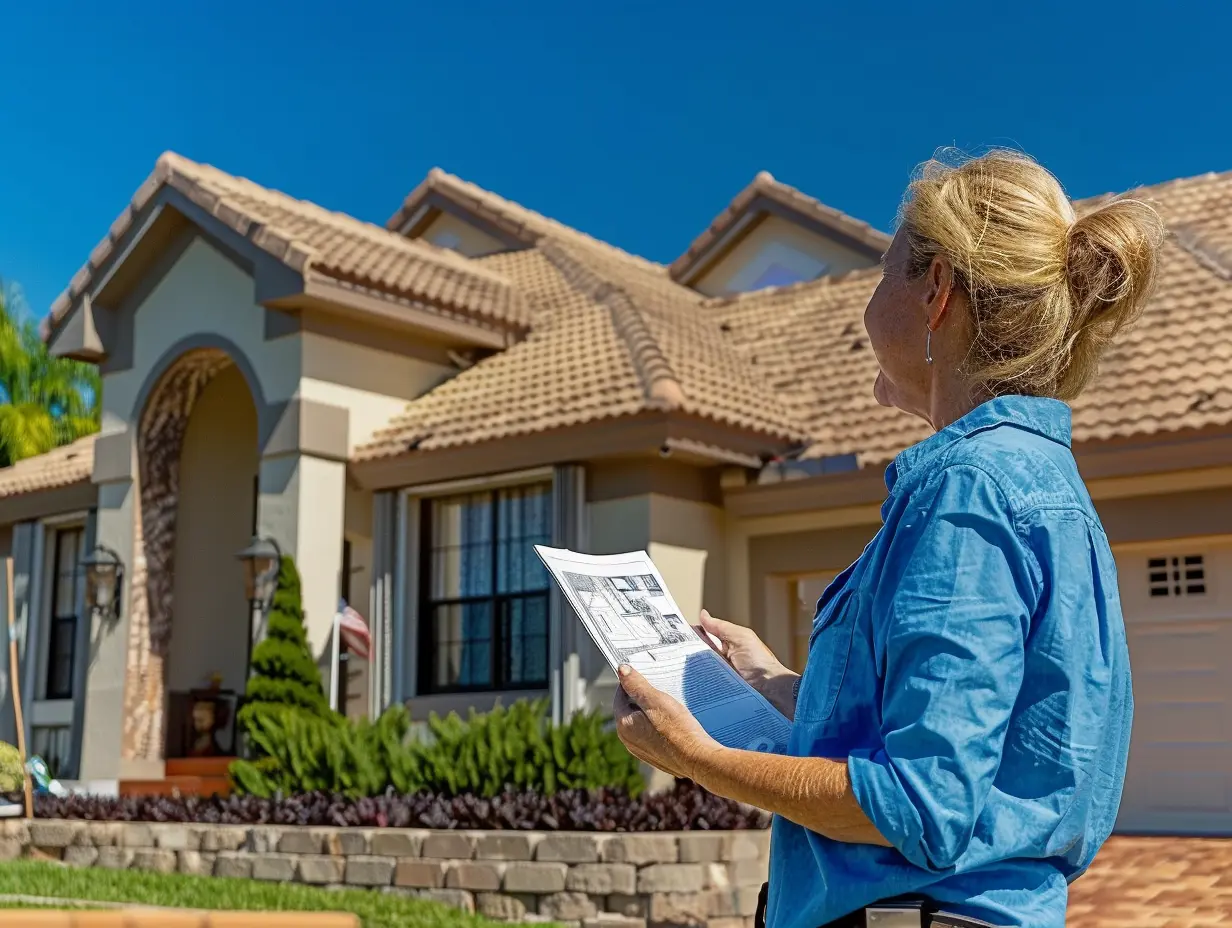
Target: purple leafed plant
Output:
[{"x": 687, "y": 807}]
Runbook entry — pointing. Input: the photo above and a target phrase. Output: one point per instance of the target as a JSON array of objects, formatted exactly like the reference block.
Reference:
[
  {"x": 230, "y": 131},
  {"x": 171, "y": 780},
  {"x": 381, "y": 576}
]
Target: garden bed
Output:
[{"x": 684, "y": 808}]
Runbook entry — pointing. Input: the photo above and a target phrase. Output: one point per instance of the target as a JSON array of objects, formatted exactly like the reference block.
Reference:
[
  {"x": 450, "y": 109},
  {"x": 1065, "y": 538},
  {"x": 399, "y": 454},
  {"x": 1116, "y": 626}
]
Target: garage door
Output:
[{"x": 1177, "y": 601}]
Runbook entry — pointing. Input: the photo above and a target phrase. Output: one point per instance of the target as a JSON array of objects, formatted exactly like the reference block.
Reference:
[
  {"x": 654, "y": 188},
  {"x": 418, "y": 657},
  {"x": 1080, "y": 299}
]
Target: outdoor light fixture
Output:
[
  {"x": 262, "y": 560},
  {"x": 104, "y": 582}
]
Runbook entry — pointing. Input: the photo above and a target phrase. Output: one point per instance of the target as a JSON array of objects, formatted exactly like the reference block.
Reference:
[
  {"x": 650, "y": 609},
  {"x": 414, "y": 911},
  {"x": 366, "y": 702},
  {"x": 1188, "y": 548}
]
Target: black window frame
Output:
[
  {"x": 500, "y": 613},
  {"x": 57, "y": 620}
]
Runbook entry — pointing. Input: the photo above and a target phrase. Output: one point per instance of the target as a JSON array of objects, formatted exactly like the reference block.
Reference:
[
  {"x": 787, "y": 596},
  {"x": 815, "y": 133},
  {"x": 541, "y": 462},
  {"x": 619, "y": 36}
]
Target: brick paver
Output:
[{"x": 1155, "y": 883}]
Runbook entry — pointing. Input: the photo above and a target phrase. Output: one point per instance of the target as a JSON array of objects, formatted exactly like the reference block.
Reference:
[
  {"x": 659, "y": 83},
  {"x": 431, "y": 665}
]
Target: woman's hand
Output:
[
  {"x": 658, "y": 729},
  {"x": 749, "y": 657}
]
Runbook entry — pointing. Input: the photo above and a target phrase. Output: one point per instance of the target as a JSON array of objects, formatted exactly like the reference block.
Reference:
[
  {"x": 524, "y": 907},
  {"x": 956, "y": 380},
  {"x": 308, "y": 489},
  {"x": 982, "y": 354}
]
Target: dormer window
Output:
[
  {"x": 447, "y": 238},
  {"x": 775, "y": 264},
  {"x": 778, "y": 275}
]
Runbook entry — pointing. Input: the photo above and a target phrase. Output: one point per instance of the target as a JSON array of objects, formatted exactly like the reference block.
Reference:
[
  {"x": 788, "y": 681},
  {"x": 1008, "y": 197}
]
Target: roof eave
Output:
[
  {"x": 1106, "y": 462},
  {"x": 698, "y": 440}
]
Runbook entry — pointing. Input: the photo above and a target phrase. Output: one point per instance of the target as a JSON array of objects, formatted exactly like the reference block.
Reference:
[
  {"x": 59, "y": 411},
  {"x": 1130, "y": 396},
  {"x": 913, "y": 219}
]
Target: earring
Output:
[{"x": 928, "y": 347}]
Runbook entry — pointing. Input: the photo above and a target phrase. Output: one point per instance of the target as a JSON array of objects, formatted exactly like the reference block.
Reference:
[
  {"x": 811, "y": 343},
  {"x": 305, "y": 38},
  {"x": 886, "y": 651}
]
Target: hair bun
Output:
[{"x": 1111, "y": 256}]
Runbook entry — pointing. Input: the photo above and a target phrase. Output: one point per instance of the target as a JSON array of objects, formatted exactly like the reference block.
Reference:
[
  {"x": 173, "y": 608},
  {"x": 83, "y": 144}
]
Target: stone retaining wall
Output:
[{"x": 653, "y": 879}]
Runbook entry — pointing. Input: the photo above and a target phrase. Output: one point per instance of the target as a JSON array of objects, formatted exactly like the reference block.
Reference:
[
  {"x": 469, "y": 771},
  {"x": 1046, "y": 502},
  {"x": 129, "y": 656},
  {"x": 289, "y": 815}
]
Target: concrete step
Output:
[
  {"x": 198, "y": 766},
  {"x": 177, "y": 786}
]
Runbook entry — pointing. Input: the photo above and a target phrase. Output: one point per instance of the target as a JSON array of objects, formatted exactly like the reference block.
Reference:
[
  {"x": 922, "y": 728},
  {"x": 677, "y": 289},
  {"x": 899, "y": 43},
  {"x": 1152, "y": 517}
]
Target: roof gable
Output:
[
  {"x": 518, "y": 226},
  {"x": 317, "y": 254},
  {"x": 764, "y": 197}
]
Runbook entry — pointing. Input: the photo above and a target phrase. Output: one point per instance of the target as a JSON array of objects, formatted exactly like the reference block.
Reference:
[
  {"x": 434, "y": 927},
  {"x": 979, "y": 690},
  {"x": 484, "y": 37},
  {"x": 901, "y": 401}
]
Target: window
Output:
[
  {"x": 52, "y": 743},
  {"x": 67, "y": 579},
  {"x": 484, "y": 611},
  {"x": 776, "y": 275},
  {"x": 447, "y": 239},
  {"x": 776, "y": 264},
  {"x": 1177, "y": 576}
]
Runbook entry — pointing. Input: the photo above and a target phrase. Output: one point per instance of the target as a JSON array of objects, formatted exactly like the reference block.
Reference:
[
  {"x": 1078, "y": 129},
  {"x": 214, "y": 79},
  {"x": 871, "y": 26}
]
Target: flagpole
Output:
[
  {"x": 13, "y": 675},
  {"x": 334, "y": 661}
]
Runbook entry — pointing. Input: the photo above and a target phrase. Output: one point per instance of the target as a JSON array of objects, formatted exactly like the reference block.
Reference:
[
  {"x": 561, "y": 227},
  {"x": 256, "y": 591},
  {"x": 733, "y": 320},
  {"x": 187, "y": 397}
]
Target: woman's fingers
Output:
[
  {"x": 726, "y": 632},
  {"x": 716, "y": 644}
]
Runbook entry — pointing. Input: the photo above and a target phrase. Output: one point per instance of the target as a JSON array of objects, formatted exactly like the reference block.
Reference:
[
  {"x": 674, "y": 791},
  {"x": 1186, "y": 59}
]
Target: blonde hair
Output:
[{"x": 1047, "y": 291}]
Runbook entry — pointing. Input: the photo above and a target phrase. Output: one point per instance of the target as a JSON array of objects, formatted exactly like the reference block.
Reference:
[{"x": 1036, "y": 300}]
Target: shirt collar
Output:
[{"x": 1047, "y": 417}]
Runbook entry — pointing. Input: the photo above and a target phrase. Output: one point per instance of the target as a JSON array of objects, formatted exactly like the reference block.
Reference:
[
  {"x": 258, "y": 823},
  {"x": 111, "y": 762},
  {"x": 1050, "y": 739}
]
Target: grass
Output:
[{"x": 375, "y": 909}]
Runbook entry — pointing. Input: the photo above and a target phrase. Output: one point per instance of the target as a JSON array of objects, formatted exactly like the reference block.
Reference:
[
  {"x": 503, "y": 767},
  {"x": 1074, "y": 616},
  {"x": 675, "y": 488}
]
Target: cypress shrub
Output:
[{"x": 284, "y": 674}]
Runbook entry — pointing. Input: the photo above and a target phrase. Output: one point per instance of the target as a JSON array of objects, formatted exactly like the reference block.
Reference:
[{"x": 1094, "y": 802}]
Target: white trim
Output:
[{"x": 494, "y": 482}]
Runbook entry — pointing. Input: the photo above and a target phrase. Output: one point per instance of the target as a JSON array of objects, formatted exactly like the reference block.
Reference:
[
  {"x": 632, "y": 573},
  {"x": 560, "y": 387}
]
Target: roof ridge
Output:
[
  {"x": 1191, "y": 240},
  {"x": 659, "y": 380},
  {"x": 370, "y": 230}
]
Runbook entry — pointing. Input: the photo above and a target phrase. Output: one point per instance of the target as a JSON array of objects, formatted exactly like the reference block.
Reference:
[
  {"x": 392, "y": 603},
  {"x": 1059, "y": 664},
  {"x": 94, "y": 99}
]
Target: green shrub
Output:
[
  {"x": 284, "y": 675},
  {"x": 12, "y": 776},
  {"x": 515, "y": 747}
]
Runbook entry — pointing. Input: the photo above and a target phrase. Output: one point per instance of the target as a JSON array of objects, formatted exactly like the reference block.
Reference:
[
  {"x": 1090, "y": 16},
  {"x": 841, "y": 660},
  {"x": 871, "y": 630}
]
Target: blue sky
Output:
[{"x": 633, "y": 121}]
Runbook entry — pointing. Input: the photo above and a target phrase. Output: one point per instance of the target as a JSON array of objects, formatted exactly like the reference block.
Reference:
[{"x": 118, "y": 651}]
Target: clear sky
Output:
[{"x": 635, "y": 121}]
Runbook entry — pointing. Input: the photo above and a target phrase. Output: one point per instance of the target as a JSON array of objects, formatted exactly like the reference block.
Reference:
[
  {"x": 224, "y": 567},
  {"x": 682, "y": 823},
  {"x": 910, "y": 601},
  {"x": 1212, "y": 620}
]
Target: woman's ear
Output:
[{"x": 940, "y": 286}]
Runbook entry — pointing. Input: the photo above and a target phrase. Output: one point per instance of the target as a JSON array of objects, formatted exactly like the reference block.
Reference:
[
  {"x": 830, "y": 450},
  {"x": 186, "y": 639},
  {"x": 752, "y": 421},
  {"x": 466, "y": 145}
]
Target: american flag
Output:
[{"x": 354, "y": 631}]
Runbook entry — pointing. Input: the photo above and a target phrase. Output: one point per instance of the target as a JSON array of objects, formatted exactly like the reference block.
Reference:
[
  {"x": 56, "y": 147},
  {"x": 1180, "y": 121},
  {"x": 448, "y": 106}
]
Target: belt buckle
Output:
[{"x": 891, "y": 915}]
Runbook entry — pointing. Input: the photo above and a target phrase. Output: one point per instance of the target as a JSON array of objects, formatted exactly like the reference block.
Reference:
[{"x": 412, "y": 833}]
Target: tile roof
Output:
[
  {"x": 314, "y": 240},
  {"x": 60, "y": 467},
  {"x": 610, "y": 347},
  {"x": 1155, "y": 883},
  {"x": 613, "y": 335},
  {"x": 515, "y": 220},
  {"x": 1171, "y": 371},
  {"x": 764, "y": 185}
]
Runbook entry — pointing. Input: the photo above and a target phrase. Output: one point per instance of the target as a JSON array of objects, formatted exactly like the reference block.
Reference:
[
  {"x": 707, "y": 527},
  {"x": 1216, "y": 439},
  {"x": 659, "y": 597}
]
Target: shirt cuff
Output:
[{"x": 877, "y": 789}]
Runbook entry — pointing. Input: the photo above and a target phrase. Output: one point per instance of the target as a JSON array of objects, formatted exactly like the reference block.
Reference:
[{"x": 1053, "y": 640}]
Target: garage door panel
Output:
[
  {"x": 1192, "y": 791},
  {"x": 1180, "y": 760},
  {"x": 1169, "y": 647},
  {"x": 1180, "y": 688},
  {"x": 1183, "y": 722}
]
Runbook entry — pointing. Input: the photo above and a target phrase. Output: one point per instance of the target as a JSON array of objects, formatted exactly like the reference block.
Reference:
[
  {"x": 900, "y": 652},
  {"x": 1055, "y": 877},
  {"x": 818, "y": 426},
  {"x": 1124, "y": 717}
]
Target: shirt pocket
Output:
[{"x": 829, "y": 653}]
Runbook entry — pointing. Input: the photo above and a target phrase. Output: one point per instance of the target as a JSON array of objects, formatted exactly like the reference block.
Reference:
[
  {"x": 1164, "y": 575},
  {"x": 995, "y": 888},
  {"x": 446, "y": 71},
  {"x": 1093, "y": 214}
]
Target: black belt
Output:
[{"x": 905, "y": 913}]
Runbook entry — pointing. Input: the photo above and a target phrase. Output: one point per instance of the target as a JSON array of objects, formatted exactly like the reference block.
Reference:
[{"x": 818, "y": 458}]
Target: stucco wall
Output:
[
  {"x": 203, "y": 292},
  {"x": 372, "y": 384},
  {"x": 718, "y": 279},
  {"x": 218, "y": 467}
]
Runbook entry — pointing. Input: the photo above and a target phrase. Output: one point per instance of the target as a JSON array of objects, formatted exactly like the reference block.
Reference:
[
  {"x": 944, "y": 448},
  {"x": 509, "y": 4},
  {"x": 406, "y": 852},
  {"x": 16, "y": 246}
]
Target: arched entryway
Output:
[{"x": 197, "y": 449}]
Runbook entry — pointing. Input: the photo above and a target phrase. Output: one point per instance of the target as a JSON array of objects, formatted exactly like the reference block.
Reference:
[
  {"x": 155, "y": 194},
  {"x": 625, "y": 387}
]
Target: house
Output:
[{"x": 406, "y": 409}]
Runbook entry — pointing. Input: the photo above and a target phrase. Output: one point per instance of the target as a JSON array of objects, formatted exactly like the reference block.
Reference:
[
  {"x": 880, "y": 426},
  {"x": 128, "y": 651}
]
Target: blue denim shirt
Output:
[{"x": 972, "y": 669}]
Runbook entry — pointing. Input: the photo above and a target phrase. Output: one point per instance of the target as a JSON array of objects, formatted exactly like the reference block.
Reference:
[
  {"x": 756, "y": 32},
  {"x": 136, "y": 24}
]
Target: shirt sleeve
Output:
[{"x": 953, "y": 611}]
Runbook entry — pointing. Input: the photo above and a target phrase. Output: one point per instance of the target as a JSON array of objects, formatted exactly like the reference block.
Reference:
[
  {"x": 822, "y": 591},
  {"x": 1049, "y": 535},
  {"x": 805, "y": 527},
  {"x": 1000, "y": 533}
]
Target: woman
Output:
[{"x": 961, "y": 729}]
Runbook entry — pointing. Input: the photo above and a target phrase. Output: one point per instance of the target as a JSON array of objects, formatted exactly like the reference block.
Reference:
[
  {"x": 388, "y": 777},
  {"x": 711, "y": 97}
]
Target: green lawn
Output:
[{"x": 376, "y": 910}]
